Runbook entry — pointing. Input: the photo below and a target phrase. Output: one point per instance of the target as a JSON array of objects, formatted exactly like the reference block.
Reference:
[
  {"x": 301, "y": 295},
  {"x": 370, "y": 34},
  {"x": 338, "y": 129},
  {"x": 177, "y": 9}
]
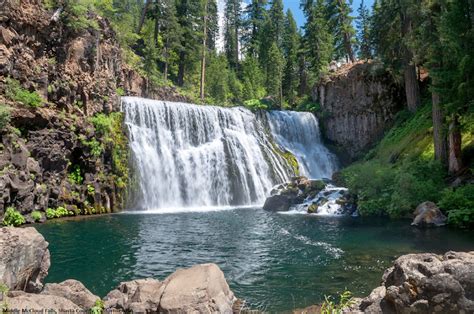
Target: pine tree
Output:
[
  {"x": 277, "y": 21},
  {"x": 393, "y": 22},
  {"x": 364, "y": 36},
  {"x": 338, "y": 14},
  {"x": 213, "y": 25},
  {"x": 290, "y": 51},
  {"x": 317, "y": 40},
  {"x": 253, "y": 24},
  {"x": 189, "y": 14},
  {"x": 169, "y": 30},
  {"x": 232, "y": 16},
  {"x": 275, "y": 73}
]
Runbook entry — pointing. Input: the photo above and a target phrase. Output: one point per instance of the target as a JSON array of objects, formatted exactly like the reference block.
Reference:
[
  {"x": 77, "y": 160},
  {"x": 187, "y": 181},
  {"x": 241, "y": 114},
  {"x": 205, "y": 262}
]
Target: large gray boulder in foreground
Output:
[
  {"x": 19, "y": 300},
  {"x": 72, "y": 290},
  {"x": 199, "y": 289},
  {"x": 425, "y": 283},
  {"x": 24, "y": 259}
]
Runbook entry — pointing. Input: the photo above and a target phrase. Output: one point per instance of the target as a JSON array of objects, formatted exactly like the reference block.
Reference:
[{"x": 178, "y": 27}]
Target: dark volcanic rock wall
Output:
[
  {"x": 358, "y": 104},
  {"x": 79, "y": 73}
]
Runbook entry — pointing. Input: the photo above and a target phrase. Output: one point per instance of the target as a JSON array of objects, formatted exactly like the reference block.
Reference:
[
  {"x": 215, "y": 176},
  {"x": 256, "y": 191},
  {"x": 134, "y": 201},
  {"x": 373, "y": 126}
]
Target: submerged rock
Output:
[
  {"x": 72, "y": 290},
  {"x": 24, "y": 259},
  {"x": 428, "y": 214},
  {"x": 425, "y": 283}
]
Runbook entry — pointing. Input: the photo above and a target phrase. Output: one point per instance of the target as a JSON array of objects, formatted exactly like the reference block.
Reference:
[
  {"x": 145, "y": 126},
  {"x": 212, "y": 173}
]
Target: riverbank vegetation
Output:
[{"x": 401, "y": 172}]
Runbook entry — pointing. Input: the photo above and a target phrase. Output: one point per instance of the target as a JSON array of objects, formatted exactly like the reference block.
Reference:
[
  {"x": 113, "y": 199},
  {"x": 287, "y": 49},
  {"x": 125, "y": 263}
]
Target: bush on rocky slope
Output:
[{"x": 399, "y": 173}]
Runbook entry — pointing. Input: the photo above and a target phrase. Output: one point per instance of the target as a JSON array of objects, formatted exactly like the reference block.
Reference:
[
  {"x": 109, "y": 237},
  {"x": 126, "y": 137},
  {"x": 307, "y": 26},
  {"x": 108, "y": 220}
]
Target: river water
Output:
[{"x": 274, "y": 261}]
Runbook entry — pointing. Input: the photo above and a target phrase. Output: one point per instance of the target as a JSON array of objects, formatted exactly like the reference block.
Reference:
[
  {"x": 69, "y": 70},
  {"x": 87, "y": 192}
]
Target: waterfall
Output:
[
  {"x": 299, "y": 133},
  {"x": 190, "y": 155}
]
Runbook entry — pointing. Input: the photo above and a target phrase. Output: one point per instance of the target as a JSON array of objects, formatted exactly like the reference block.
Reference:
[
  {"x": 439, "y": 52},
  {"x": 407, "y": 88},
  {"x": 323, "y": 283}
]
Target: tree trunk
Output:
[
  {"x": 455, "y": 140},
  {"x": 412, "y": 89},
  {"x": 181, "y": 68},
  {"x": 349, "y": 50},
  {"x": 142, "y": 17},
  {"x": 439, "y": 135},
  {"x": 203, "y": 59},
  {"x": 165, "y": 71}
]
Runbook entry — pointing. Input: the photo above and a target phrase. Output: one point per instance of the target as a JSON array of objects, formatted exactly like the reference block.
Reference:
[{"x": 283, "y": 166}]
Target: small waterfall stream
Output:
[
  {"x": 199, "y": 156},
  {"x": 299, "y": 133}
]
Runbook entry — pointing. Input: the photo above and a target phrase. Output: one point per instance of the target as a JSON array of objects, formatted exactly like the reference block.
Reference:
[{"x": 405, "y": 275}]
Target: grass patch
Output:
[{"x": 15, "y": 92}]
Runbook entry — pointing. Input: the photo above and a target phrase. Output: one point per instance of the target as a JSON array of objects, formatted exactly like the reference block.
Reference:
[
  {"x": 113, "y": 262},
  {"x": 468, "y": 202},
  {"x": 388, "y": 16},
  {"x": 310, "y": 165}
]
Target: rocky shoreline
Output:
[{"x": 421, "y": 283}]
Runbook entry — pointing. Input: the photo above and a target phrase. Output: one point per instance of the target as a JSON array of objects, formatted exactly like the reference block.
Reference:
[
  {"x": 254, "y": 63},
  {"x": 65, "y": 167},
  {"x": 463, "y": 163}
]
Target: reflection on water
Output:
[{"x": 274, "y": 262}]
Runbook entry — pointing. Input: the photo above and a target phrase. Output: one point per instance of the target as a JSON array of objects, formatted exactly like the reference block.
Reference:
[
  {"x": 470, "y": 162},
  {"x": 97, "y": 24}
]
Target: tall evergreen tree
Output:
[
  {"x": 290, "y": 51},
  {"x": 393, "y": 20},
  {"x": 338, "y": 12},
  {"x": 363, "y": 36},
  {"x": 275, "y": 73},
  {"x": 189, "y": 15},
  {"x": 212, "y": 25},
  {"x": 317, "y": 40},
  {"x": 255, "y": 13},
  {"x": 277, "y": 20},
  {"x": 232, "y": 16}
]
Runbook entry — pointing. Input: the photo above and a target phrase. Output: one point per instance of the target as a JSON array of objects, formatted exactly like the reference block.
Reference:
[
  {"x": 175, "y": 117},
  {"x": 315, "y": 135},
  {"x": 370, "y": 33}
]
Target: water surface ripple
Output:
[{"x": 275, "y": 262}]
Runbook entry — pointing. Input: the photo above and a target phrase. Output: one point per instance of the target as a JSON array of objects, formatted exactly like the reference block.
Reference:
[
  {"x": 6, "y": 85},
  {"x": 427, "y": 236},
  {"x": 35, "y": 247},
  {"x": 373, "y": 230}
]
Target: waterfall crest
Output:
[
  {"x": 189, "y": 155},
  {"x": 298, "y": 132}
]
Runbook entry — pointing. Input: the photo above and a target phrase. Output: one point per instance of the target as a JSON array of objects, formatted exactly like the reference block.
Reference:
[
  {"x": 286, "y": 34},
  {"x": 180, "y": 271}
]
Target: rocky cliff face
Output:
[
  {"x": 52, "y": 155},
  {"x": 358, "y": 103}
]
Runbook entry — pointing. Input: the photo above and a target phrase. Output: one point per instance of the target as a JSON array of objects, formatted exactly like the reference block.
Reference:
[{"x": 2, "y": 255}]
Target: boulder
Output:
[
  {"x": 277, "y": 203},
  {"x": 24, "y": 258},
  {"x": 41, "y": 303},
  {"x": 428, "y": 214},
  {"x": 141, "y": 295},
  {"x": 425, "y": 283},
  {"x": 72, "y": 290},
  {"x": 199, "y": 289}
]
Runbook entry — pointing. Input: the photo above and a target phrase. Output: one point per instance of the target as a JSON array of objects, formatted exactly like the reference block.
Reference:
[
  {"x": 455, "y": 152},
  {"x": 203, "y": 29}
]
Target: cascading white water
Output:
[
  {"x": 299, "y": 133},
  {"x": 190, "y": 155},
  {"x": 198, "y": 156}
]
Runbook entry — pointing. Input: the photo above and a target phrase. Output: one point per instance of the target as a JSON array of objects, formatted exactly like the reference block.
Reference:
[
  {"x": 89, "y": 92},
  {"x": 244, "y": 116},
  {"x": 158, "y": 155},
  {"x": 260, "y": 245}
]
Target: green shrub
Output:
[
  {"x": 94, "y": 146},
  {"x": 102, "y": 123},
  {"x": 36, "y": 215},
  {"x": 331, "y": 307},
  {"x": 459, "y": 204},
  {"x": 15, "y": 92},
  {"x": 98, "y": 307},
  {"x": 58, "y": 212},
  {"x": 75, "y": 177},
  {"x": 120, "y": 91},
  {"x": 4, "y": 116},
  {"x": 255, "y": 104},
  {"x": 13, "y": 218},
  {"x": 394, "y": 190},
  {"x": 90, "y": 190},
  {"x": 373, "y": 183}
]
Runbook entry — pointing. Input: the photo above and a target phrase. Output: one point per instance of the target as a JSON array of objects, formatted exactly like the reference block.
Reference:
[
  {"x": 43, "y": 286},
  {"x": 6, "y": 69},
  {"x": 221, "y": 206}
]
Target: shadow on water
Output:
[{"x": 273, "y": 261}]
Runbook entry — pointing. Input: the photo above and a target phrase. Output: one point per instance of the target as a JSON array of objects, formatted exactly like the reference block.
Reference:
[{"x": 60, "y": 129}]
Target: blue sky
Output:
[{"x": 294, "y": 6}]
